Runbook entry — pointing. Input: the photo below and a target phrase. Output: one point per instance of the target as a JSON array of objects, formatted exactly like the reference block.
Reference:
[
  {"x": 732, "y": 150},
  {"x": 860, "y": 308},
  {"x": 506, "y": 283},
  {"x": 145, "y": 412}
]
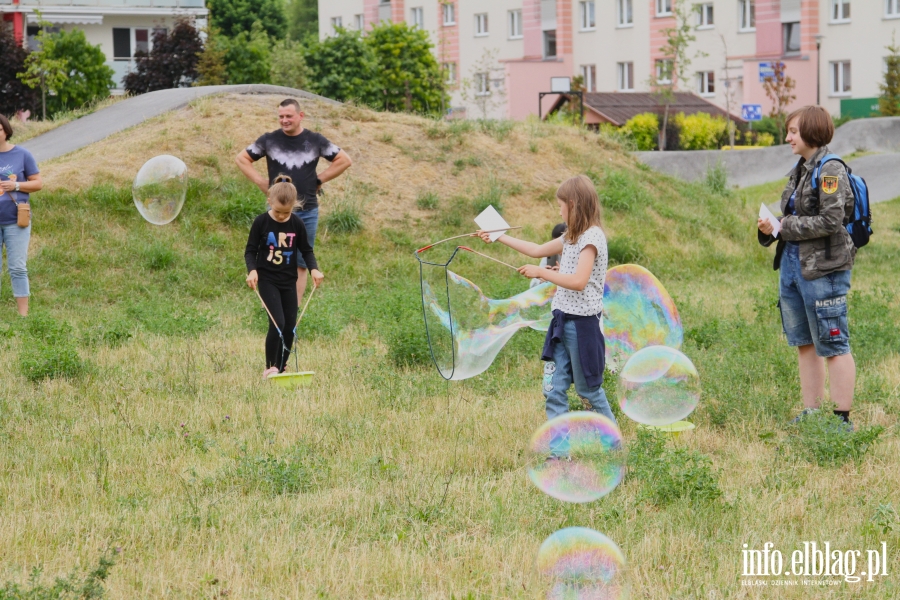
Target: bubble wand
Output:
[{"x": 473, "y": 234}]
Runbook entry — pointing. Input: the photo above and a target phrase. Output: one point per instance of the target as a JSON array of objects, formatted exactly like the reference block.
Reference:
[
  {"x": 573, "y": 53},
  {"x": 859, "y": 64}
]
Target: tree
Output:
[
  {"x": 42, "y": 69},
  {"x": 344, "y": 67},
  {"x": 889, "y": 101},
  {"x": 14, "y": 94},
  {"x": 483, "y": 87},
  {"x": 172, "y": 63},
  {"x": 676, "y": 62},
  {"x": 233, "y": 17},
  {"x": 248, "y": 56},
  {"x": 779, "y": 90},
  {"x": 89, "y": 78},
  {"x": 303, "y": 19},
  {"x": 408, "y": 73},
  {"x": 211, "y": 67},
  {"x": 288, "y": 65}
]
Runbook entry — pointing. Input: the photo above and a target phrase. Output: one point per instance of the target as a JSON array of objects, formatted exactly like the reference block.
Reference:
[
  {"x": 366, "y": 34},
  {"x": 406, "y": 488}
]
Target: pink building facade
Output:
[{"x": 832, "y": 49}]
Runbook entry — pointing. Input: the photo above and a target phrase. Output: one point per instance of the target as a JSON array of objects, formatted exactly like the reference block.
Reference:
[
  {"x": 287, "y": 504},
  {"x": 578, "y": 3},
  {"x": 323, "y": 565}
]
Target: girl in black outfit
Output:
[{"x": 276, "y": 239}]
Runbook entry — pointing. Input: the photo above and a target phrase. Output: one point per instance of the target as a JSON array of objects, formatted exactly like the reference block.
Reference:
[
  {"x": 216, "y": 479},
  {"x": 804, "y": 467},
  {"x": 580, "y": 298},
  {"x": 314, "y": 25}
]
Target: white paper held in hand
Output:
[
  {"x": 489, "y": 220},
  {"x": 765, "y": 213}
]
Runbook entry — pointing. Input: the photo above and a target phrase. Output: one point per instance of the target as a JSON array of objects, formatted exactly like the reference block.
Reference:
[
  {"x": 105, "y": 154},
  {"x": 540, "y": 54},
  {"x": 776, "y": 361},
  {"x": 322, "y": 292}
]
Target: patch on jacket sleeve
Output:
[{"x": 829, "y": 184}]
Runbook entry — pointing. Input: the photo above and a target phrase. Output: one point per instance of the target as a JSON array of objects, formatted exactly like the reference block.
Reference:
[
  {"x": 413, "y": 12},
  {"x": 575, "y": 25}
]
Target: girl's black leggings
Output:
[{"x": 282, "y": 303}]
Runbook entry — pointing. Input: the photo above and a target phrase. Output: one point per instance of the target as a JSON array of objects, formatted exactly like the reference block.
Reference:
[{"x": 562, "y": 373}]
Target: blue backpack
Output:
[{"x": 860, "y": 227}]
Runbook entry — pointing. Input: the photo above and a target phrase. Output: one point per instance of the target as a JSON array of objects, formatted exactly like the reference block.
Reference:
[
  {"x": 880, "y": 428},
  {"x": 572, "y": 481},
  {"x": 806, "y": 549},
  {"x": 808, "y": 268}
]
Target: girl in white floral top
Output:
[{"x": 575, "y": 348}]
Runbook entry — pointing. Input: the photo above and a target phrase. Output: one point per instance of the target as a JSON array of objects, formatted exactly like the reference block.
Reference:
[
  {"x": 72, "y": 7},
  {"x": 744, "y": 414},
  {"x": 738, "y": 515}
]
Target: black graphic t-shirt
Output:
[
  {"x": 295, "y": 156},
  {"x": 272, "y": 249}
]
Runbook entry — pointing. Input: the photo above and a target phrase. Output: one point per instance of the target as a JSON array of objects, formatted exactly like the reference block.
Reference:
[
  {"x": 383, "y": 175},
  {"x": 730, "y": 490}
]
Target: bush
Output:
[
  {"x": 717, "y": 179},
  {"x": 248, "y": 56},
  {"x": 14, "y": 95},
  {"x": 700, "y": 131},
  {"x": 288, "y": 65},
  {"x": 341, "y": 68},
  {"x": 49, "y": 350},
  {"x": 172, "y": 63},
  {"x": 770, "y": 126},
  {"x": 765, "y": 140},
  {"x": 345, "y": 216},
  {"x": 644, "y": 129}
]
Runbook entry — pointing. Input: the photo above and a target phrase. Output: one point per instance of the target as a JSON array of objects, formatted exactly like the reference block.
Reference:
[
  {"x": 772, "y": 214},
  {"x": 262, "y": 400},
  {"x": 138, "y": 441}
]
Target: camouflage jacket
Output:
[{"x": 819, "y": 225}]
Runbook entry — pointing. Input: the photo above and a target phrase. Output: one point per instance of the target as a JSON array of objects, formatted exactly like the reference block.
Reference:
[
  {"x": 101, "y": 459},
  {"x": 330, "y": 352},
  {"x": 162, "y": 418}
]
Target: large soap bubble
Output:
[
  {"x": 159, "y": 189},
  {"x": 582, "y": 564},
  {"x": 658, "y": 386},
  {"x": 576, "y": 457},
  {"x": 637, "y": 312}
]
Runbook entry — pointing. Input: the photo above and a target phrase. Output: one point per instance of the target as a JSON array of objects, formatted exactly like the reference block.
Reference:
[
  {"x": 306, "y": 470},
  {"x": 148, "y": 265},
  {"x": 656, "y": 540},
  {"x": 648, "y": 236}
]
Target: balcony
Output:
[{"x": 112, "y": 3}]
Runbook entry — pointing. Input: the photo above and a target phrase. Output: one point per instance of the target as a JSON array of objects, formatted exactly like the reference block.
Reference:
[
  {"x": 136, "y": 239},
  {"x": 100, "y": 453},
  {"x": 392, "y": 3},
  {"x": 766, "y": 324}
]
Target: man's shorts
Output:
[
  {"x": 310, "y": 218},
  {"x": 814, "y": 312}
]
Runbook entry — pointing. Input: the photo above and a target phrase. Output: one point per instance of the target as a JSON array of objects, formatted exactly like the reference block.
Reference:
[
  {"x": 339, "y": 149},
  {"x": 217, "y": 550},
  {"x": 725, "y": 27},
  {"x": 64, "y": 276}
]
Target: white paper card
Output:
[
  {"x": 765, "y": 213},
  {"x": 489, "y": 220}
]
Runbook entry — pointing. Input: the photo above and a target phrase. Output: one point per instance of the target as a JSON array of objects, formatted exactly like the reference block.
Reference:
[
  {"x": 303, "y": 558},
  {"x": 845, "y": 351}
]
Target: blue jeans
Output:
[
  {"x": 813, "y": 312},
  {"x": 16, "y": 240},
  {"x": 563, "y": 371},
  {"x": 310, "y": 218}
]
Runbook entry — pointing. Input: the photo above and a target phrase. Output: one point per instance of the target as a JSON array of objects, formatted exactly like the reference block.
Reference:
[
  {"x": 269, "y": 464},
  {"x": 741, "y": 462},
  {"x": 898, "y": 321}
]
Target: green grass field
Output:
[{"x": 141, "y": 456}]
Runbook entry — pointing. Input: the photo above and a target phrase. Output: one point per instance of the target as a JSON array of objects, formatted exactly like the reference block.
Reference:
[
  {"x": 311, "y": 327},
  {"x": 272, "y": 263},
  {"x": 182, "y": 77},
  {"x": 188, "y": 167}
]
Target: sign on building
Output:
[
  {"x": 751, "y": 112},
  {"x": 767, "y": 69}
]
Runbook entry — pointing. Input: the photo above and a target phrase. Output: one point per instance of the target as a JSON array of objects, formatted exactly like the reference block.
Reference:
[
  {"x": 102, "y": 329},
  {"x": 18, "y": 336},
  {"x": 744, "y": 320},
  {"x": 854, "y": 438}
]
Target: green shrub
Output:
[
  {"x": 822, "y": 438},
  {"x": 670, "y": 474},
  {"x": 299, "y": 470},
  {"x": 700, "y": 131},
  {"x": 493, "y": 194},
  {"x": 49, "y": 350},
  {"x": 765, "y": 140},
  {"x": 644, "y": 130},
  {"x": 345, "y": 216},
  {"x": 717, "y": 179},
  {"x": 427, "y": 201}
]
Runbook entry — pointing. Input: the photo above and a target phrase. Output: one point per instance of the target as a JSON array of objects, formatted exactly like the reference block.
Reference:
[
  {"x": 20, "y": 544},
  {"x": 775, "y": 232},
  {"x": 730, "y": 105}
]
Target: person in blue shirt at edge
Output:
[
  {"x": 815, "y": 255},
  {"x": 19, "y": 178}
]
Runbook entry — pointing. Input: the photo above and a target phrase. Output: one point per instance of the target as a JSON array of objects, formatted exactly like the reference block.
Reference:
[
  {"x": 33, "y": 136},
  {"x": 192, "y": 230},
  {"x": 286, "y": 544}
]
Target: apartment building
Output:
[
  {"x": 120, "y": 27},
  {"x": 498, "y": 55}
]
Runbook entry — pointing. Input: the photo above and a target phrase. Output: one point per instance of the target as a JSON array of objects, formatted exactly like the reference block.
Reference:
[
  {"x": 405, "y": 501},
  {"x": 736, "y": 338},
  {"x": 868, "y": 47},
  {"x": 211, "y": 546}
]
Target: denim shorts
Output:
[
  {"x": 814, "y": 312},
  {"x": 310, "y": 218}
]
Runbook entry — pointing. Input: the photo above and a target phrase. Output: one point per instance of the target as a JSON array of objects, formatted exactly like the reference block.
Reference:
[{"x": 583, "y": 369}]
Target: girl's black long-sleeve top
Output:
[{"x": 273, "y": 247}]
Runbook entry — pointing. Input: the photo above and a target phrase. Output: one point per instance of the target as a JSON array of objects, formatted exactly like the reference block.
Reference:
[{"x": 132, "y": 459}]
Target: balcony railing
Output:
[{"x": 114, "y": 3}]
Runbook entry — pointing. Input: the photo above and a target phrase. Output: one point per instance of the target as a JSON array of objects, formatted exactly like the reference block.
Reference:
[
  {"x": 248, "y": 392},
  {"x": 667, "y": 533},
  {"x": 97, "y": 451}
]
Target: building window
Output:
[
  {"x": 589, "y": 75},
  {"x": 417, "y": 17},
  {"x": 840, "y": 78},
  {"x": 663, "y": 70},
  {"x": 550, "y": 44},
  {"x": 481, "y": 24},
  {"x": 127, "y": 42},
  {"x": 748, "y": 15},
  {"x": 586, "y": 16},
  {"x": 624, "y": 12},
  {"x": 336, "y": 22},
  {"x": 840, "y": 10},
  {"x": 359, "y": 21},
  {"x": 515, "y": 24},
  {"x": 705, "y": 15},
  {"x": 626, "y": 77},
  {"x": 449, "y": 14},
  {"x": 483, "y": 84},
  {"x": 892, "y": 8},
  {"x": 449, "y": 73},
  {"x": 791, "y": 37},
  {"x": 663, "y": 8},
  {"x": 706, "y": 83}
]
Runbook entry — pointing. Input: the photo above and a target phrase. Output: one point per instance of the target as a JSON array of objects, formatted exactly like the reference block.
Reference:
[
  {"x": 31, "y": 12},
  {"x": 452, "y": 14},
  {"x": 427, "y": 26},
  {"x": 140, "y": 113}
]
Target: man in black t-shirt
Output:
[{"x": 295, "y": 152}]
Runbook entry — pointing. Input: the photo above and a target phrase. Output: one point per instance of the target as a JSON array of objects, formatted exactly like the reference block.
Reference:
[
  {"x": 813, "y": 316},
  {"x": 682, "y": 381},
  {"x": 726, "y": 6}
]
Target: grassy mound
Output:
[{"x": 382, "y": 480}]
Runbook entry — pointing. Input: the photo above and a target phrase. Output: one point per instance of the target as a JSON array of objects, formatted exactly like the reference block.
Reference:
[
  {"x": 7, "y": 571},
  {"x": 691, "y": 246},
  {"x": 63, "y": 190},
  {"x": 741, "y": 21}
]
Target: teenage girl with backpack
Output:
[
  {"x": 815, "y": 255},
  {"x": 574, "y": 348}
]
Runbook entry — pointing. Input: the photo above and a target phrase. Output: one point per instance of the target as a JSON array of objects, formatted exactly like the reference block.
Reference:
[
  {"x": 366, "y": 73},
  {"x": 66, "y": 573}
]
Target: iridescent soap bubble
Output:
[
  {"x": 576, "y": 457},
  {"x": 466, "y": 329},
  {"x": 658, "y": 386},
  {"x": 582, "y": 564},
  {"x": 637, "y": 312},
  {"x": 159, "y": 189}
]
